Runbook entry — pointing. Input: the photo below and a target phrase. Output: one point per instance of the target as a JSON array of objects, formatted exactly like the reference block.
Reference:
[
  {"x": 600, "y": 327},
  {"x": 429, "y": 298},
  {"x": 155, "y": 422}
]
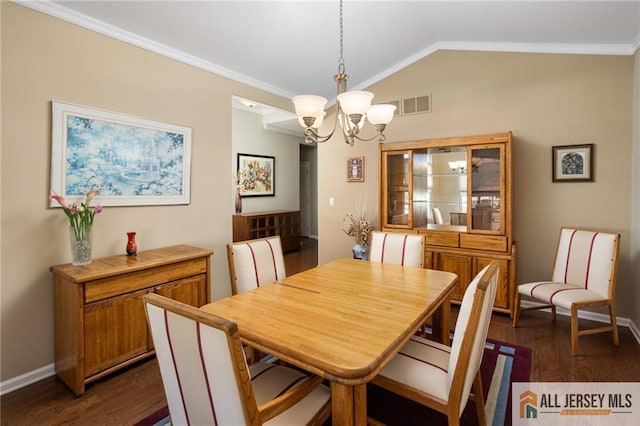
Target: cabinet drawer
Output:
[
  {"x": 126, "y": 283},
  {"x": 441, "y": 238},
  {"x": 484, "y": 242}
]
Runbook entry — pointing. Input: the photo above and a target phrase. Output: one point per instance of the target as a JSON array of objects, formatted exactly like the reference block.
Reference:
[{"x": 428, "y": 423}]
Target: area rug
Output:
[{"x": 502, "y": 364}]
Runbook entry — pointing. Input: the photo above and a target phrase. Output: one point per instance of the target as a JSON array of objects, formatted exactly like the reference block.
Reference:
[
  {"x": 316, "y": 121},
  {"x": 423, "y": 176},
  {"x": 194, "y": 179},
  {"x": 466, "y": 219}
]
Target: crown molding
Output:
[
  {"x": 68, "y": 15},
  {"x": 555, "y": 48},
  {"x": 61, "y": 12},
  {"x": 558, "y": 48}
]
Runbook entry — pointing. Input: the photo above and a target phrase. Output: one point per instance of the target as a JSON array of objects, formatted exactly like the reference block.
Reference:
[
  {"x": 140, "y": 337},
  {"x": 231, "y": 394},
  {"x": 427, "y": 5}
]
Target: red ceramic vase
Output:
[{"x": 132, "y": 247}]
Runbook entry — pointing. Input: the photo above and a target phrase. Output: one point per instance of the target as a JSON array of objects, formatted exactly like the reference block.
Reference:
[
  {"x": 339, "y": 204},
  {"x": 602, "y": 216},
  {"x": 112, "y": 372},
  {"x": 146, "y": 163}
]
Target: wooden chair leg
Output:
[
  {"x": 574, "y": 331},
  {"x": 614, "y": 324},
  {"x": 479, "y": 400},
  {"x": 516, "y": 309},
  {"x": 553, "y": 313}
]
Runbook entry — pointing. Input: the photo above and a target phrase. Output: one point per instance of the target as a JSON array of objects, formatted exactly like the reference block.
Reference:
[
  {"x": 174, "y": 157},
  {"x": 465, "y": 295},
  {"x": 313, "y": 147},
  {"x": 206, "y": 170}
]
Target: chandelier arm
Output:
[
  {"x": 380, "y": 137},
  {"x": 312, "y": 136}
]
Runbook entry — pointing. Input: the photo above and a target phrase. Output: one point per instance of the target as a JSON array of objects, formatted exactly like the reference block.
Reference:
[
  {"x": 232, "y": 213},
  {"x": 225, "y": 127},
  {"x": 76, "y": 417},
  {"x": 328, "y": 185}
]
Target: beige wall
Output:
[
  {"x": 44, "y": 58},
  {"x": 247, "y": 129},
  {"x": 545, "y": 100}
]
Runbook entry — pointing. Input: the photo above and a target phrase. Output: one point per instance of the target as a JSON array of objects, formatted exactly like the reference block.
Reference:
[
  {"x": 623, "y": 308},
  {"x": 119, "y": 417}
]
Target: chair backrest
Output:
[
  {"x": 253, "y": 263},
  {"x": 202, "y": 364},
  {"x": 397, "y": 248},
  {"x": 470, "y": 333},
  {"x": 437, "y": 216},
  {"x": 587, "y": 259}
]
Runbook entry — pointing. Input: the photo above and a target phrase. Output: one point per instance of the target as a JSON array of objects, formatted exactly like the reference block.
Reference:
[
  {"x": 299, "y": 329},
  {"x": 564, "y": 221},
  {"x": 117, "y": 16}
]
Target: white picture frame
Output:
[{"x": 132, "y": 161}]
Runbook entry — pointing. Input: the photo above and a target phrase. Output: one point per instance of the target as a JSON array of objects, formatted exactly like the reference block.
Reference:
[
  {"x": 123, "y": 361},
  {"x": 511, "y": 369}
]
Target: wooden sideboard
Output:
[
  {"x": 249, "y": 226},
  {"x": 100, "y": 322}
]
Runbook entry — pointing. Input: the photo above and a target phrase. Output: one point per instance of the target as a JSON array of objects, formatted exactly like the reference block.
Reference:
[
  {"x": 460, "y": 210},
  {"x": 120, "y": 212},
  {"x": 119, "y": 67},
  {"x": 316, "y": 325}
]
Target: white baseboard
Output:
[
  {"x": 634, "y": 330},
  {"x": 593, "y": 316},
  {"x": 27, "y": 378}
]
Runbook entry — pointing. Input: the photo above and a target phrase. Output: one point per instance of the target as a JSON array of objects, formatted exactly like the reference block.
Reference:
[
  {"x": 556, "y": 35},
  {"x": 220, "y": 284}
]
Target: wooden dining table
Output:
[{"x": 343, "y": 320}]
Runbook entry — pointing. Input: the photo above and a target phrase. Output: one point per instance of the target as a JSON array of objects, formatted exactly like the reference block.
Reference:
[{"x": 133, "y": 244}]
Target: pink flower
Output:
[
  {"x": 59, "y": 199},
  {"x": 80, "y": 216}
]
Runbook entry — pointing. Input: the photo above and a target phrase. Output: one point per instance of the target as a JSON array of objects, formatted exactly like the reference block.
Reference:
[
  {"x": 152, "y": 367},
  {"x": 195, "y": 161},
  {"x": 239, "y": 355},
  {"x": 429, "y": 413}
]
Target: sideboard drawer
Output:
[{"x": 113, "y": 286}]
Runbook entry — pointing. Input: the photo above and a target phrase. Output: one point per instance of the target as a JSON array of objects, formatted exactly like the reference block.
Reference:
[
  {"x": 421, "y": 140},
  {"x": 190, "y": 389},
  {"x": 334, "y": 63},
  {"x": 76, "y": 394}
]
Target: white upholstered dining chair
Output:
[
  {"x": 207, "y": 381},
  {"x": 442, "y": 377},
  {"x": 584, "y": 276},
  {"x": 397, "y": 248},
  {"x": 253, "y": 263}
]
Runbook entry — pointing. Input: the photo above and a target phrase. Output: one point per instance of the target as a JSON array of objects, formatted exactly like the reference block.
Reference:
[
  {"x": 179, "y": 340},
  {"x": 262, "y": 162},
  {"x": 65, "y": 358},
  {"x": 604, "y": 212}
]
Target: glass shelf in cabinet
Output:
[{"x": 447, "y": 175}]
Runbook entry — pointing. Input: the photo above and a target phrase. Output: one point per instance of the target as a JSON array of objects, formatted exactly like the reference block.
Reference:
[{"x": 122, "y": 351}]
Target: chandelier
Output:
[{"x": 353, "y": 107}]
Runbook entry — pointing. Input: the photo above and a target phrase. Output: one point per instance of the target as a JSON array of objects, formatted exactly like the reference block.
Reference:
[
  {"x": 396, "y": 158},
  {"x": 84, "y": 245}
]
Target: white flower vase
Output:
[{"x": 80, "y": 246}]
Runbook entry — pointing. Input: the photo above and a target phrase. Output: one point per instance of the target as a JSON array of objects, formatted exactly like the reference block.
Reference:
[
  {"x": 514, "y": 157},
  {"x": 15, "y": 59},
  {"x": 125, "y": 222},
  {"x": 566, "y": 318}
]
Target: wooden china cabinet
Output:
[{"x": 470, "y": 180}]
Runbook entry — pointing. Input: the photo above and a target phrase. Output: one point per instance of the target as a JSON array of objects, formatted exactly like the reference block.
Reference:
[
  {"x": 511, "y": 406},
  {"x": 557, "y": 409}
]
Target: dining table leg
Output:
[
  {"x": 348, "y": 404},
  {"x": 440, "y": 320}
]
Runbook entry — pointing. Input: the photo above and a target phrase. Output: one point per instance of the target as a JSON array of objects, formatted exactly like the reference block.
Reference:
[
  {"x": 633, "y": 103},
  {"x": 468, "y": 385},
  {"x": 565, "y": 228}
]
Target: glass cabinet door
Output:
[
  {"x": 397, "y": 181},
  {"x": 440, "y": 184},
  {"x": 487, "y": 182}
]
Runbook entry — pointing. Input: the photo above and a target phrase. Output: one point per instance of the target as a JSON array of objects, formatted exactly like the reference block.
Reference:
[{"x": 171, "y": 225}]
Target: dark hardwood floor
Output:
[{"x": 129, "y": 396}]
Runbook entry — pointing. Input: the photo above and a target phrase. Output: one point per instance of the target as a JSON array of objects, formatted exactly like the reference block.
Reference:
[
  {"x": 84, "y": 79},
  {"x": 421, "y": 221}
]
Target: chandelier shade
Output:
[
  {"x": 352, "y": 108},
  {"x": 381, "y": 114},
  {"x": 355, "y": 102},
  {"x": 309, "y": 106}
]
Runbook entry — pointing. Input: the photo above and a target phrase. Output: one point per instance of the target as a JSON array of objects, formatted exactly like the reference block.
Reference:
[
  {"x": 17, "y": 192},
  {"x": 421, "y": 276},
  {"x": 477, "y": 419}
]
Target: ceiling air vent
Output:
[{"x": 416, "y": 105}]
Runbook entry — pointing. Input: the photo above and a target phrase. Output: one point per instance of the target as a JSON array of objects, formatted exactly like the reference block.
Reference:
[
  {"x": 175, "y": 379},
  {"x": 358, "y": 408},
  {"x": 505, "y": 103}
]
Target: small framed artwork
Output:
[
  {"x": 355, "y": 169},
  {"x": 573, "y": 163},
  {"x": 132, "y": 161},
  {"x": 256, "y": 175}
]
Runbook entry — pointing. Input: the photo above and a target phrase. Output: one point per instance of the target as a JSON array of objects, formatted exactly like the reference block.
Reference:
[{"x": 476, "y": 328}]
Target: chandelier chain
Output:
[
  {"x": 341, "y": 60},
  {"x": 309, "y": 108}
]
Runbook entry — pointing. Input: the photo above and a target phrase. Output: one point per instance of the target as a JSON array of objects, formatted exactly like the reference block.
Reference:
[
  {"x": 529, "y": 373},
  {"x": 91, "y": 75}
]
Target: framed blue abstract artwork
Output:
[{"x": 130, "y": 160}]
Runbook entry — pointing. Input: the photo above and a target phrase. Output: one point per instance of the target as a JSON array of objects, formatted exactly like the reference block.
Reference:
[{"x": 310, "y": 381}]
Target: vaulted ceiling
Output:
[{"x": 292, "y": 47}]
